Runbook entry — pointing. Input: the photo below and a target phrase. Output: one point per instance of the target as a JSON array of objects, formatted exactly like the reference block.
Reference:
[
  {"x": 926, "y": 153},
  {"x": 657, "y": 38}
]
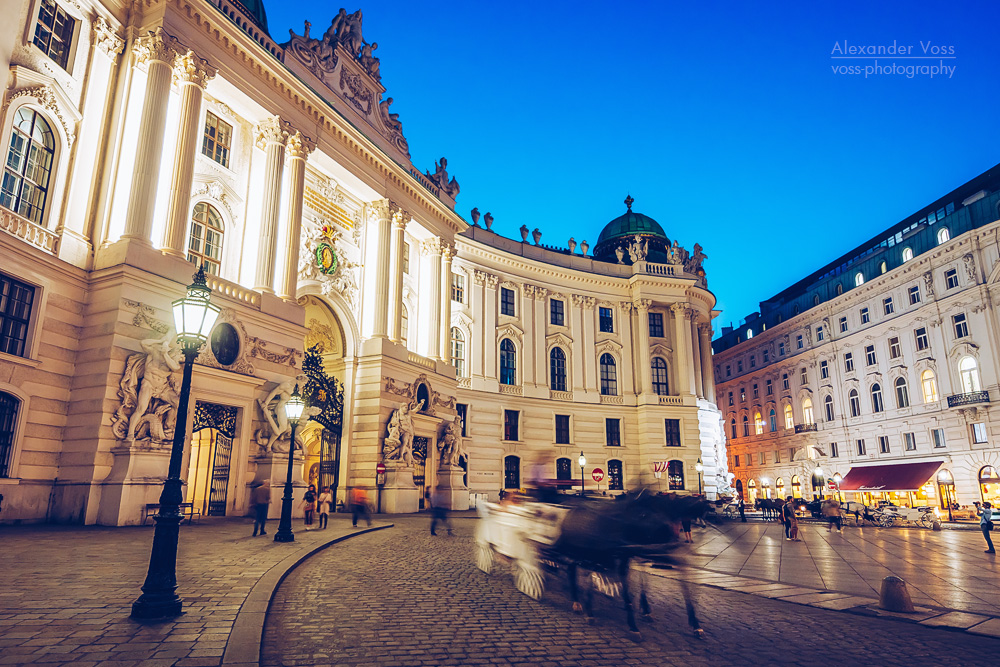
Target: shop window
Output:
[
  {"x": 616, "y": 478},
  {"x": 9, "y": 407},
  {"x": 28, "y": 167},
  {"x": 675, "y": 475},
  {"x": 511, "y": 472},
  {"x": 673, "y": 431},
  {"x": 557, "y": 369},
  {"x": 54, "y": 32},
  {"x": 217, "y": 139},
  {"x": 989, "y": 485},
  {"x": 16, "y": 302}
]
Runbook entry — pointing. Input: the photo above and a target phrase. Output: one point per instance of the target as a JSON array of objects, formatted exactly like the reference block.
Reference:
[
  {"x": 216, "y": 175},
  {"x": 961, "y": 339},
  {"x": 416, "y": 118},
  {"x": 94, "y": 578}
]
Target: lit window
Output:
[
  {"x": 789, "y": 419},
  {"x": 458, "y": 287},
  {"x": 54, "y": 32},
  {"x": 205, "y": 239},
  {"x": 807, "y": 411},
  {"x": 859, "y": 279},
  {"x": 557, "y": 314},
  {"x": 16, "y": 300},
  {"x": 506, "y": 301},
  {"x": 961, "y": 325},
  {"x": 749, "y": 334},
  {"x": 883, "y": 267},
  {"x": 28, "y": 167},
  {"x": 609, "y": 375},
  {"x": 557, "y": 369},
  {"x": 907, "y": 254},
  {"x": 855, "y": 401},
  {"x": 606, "y": 320},
  {"x": 943, "y": 235},
  {"x": 865, "y": 317},
  {"x": 758, "y": 423},
  {"x": 218, "y": 139},
  {"x": 914, "y": 293},
  {"x": 458, "y": 351},
  {"x": 921, "y": 338},
  {"x": 616, "y": 477},
  {"x": 902, "y": 394},
  {"x": 508, "y": 362},
  {"x": 877, "y": 405},
  {"x": 675, "y": 476},
  {"x": 951, "y": 279},
  {"x": 895, "y": 350},
  {"x": 659, "y": 377},
  {"x": 512, "y": 471},
  {"x": 968, "y": 370},
  {"x": 929, "y": 385}
]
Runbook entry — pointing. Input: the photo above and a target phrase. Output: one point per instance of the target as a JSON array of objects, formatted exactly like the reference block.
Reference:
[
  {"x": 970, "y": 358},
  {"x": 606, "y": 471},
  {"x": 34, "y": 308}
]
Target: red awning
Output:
[{"x": 897, "y": 477}]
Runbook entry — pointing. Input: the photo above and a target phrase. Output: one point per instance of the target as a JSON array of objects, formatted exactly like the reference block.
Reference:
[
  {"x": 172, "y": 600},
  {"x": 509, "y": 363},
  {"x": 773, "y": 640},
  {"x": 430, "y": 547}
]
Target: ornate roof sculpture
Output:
[{"x": 344, "y": 62}]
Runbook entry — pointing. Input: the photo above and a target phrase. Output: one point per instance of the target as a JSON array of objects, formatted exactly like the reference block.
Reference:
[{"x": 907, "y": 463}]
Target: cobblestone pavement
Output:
[
  {"x": 941, "y": 568},
  {"x": 67, "y": 591},
  {"x": 402, "y": 597}
]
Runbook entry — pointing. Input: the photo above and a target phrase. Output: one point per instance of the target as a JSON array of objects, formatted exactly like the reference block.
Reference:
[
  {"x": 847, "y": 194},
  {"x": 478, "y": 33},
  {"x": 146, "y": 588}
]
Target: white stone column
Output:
[
  {"x": 192, "y": 74},
  {"x": 579, "y": 351},
  {"x": 157, "y": 49},
  {"x": 382, "y": 217},
  {"x": 447, "y": 253},
  {"x": 699, "y": 384},
  {"x": 488, "y": 347},
  {"x": 644, "y": 370},
  {"x": 627, "y": 382},
  {"x": 432, "y": 250},
  {"x": 707, "y": 372},
  {"x": 270, "y": 137},
  {"x": 589, "y": 334},
  {"x": 399, "y": 220},
  {"x": 298, "y": 150},
  {"x": 682, "y": 349}
]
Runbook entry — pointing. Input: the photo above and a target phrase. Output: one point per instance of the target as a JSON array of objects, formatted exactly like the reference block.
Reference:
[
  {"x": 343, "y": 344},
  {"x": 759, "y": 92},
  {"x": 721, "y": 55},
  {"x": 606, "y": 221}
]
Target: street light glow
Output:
[{"x": 294, "y": 407}]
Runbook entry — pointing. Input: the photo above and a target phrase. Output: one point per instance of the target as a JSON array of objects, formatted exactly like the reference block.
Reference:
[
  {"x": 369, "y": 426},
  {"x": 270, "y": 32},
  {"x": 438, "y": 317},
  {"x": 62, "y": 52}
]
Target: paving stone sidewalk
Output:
[{"x": 68, "y": 590}]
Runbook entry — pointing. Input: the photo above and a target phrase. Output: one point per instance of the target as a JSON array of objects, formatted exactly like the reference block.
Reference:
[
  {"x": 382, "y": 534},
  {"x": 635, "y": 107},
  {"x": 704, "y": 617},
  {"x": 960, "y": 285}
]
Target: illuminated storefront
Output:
[{"x": 989, "y": 485}]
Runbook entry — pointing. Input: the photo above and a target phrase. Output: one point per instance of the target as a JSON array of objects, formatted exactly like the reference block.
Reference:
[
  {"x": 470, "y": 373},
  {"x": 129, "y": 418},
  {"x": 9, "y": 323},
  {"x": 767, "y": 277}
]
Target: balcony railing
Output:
[
  {"x": 969, "y": 398},
  {"x": 24, "y": 229},
  {"x": 805, "y": 428}
]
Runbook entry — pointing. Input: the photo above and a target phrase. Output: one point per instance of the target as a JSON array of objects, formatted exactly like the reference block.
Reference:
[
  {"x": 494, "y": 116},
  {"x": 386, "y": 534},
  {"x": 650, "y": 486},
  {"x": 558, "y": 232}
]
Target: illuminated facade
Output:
[
  {"x": 888, "y": 356},
  {"x": 142, "y": 139}
]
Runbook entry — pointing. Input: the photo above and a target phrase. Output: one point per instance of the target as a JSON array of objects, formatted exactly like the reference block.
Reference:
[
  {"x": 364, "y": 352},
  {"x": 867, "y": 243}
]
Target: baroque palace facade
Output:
[
  {"x": 143, "y": 139},
  {"x": 878, "y": 371}
]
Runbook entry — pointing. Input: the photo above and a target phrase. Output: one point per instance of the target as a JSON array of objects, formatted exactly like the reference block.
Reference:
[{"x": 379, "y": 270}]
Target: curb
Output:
[
  {"x": 937, "y": 617},
  {"x": 243, "y": 645}
]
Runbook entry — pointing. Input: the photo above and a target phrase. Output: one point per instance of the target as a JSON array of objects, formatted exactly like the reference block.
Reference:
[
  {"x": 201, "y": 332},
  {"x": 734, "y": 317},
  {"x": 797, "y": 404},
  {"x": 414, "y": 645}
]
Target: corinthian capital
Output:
[
  {"x": 448, "y": 251},
  {"x": 299, "y": 146},
  {"x": 643, "y": 304},
  {"x": 270, "y": 131},
  {"x": 156, "y": 45},
  {"x": 379, "y": 209},
  {"x": 431, "y": 247},
  {"x": 107, "y": 39},
  {"x": 705, "y": 329},
  {"x": 677, "y": 309},
  {"x": 189, "y": 68},
  {"x": 627, "y": 306}
]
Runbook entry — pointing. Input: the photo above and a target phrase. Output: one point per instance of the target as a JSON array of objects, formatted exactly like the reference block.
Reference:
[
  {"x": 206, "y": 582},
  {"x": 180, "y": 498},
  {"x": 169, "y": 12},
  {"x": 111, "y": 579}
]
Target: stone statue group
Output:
[{"x": 398, "y": 446}]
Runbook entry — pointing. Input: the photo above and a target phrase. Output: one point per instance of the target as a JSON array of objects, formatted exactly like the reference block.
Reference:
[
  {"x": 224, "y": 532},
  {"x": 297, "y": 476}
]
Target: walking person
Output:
[
  {"x": 985, "y": 513},
  {"x": 831, "y": 510},
  {"x": 309, "y": 505},
  {"x": 359, "y": 506},
  {"x": 787, "y": 512},
  {"x": 325, "y": 501},
  {"x": 793, "y": 521},
  {"x": 742, "y": 508},
  {"x": 438, "y": 510},
  {"x": 686, "y": 527},
  {"x": 260, "y": 498}
]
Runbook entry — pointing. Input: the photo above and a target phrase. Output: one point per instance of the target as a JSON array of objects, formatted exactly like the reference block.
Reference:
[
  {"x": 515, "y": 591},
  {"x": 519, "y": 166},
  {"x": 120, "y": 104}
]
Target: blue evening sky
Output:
[{"x": 723, "y": 119}]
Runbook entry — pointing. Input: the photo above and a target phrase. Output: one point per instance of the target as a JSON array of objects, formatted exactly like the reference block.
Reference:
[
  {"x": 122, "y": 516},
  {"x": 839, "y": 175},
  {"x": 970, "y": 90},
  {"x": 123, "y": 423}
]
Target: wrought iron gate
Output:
[
  {"x": 222, "y": 419},
  {"x": 329, "y": 460}
]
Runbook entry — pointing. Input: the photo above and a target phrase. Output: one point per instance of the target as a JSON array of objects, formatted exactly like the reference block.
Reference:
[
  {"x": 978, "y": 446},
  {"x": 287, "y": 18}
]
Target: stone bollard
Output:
[{"x": 894, "y": 596}]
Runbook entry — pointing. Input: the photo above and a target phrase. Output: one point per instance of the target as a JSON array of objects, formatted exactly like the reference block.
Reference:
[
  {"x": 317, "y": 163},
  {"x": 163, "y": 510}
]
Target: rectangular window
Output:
[
  {"x": 557, "y": 314},
  {"x": 673, "y": 432},
  {"x": 961, "y": 325},
  {"x": 507, "y": 301},
  {"x": 921, "y": 337},
  {"x": 767, "y": 355},
  {"x": 887, "y": 305},
  {"x": 784, "y": 381},
  {"x": 406, "y": 258},
  {"x": 865, "y": 317},
  {"x": 834, "y": 453},
  {"x": 753, "y": 361},
  {"x": 510, "y": 419},
  {"x": 16, "y": 300},
  {"x": 612, "y": 432},
  {"x": 762, "y": 458},
  {"x": 870, "y": 359},
  {"x": 656, "y": 325},
  {"x": 914, "y": 293},
  {"x": 777, "y": 456},
  {"x": 861, "y": 447},
  {"x": 770, "y": 389},
  {"x": 736, "y": 460},
  {"x": 781, "y": 348},
  {"x": 607, "y": 320},
  {"x": 819, "y": 334},
  {"x": 562, "y": 429},
  {"x": 938, "y": 437},
  {"x": 729, "y": 371},
  {"x": 54, "y": 32},
  {"x": 730, "y": 398},
  {"x": 951, "y": 278},
  {"x": 824, "y": 370},
  {"x": 756, "y": 393},
  {"x": 463, "y": 412},
  {"x": 739, "y": 366},
  {"x": 910, "y": 442},
  {"x": 458, "y": 287},
  {"x": 798, "y": 342},
  {"x": 883, "y": 444},
  {"x": 217, "y": 140},
  {"x": 843, "y": 324},
  {"x": 743, "y": 395},
  {"x": 979, "y": 433},
  {"x": 848, "y": 363},
  {"x": 895, "y": 350},
  {"x": 802, "y": 376}
]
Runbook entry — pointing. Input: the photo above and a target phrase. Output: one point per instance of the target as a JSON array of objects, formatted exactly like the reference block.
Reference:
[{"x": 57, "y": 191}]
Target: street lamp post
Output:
[
  {"x": 194, "y": 317},
  {"x": 945, "y": 481},
  {"x": 293, "y": 411},
  {"x": 582, "y": 461},
  {"x": 836, "y": 480},
  {"x": 699, "y": 467}
]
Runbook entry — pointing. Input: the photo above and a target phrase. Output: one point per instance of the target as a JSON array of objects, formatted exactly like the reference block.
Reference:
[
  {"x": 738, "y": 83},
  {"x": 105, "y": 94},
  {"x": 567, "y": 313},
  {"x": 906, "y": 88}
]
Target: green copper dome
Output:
[
  {"x": 620, "y": 232},
  {"x": 254, "y": 10}
]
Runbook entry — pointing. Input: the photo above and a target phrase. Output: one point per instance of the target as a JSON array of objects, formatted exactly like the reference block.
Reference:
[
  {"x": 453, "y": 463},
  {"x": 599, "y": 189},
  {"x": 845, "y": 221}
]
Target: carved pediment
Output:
[
  {"x": 660, "y": 350},
  {"x": 509, "y": 330},
  {"x": 560, "y": 339},
  {"x": 614, "y": 347}
]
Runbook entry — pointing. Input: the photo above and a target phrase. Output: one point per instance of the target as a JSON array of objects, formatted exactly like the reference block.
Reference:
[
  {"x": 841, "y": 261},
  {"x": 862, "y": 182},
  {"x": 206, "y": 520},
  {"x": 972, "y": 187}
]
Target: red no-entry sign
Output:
[
  {"x": 598, "y": 474},
  {"x": 380, "y": 468}
]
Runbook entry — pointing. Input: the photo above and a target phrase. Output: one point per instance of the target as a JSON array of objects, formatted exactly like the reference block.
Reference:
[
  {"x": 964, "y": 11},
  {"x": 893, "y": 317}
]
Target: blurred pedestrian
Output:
[
  {"x": 793, "y": 520},
  {"x": 831, "y": 510},
  {"x": 325, "y": 501},
  {"x": 743, "y": 510},
  {"x": 686, "y": 527},
  {"x": 260, "y": 499},
  {"x": 439, "y": 510},
  {"x": 309, "y": 505},
  {"x": 359, "y": 506},
  {"x": 985, "y": 513}
]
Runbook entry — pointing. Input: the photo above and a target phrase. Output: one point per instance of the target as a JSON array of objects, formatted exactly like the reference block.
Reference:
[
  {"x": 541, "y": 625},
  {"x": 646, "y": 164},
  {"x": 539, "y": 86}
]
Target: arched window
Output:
[
  {"x": 746, "y": 427},
  {"x": 758, "y": 423},
  {"x": 877, "y": 405},
  {"x": 28, "y": 166},
  {"x": 779, "y": 488},
  {"x": 564, "y": 469},
  {"x": 943, "y": 235},
  {"x": 929, "y": 385},
  {"x": 807, "y": 411},
  {"x": 749, "y": 334},
  {"x": 609, "y": 376},
  {"x": 675, "y": 474},
  {"x": 840, "y": 289},
  {"x": 883, "y": 267},
  {"x": 789, "y": 419},
  {"x": 458, "y": 351},
  {"x": 902, "y": 393},
  {"x": 557, "y": 369},
  {"x": 659, "y": 375},
  {"x": 859, "y": 279},
  {"x": 511, "y": 472},
  {"x": 404, "y": 324},
  {"x": 732, "y": 427},
  {"x": 508, "y": 362},
  {"x": 205, "y": 239},
  {"x": 773, "y": 421},
  {"x": 796, "y": 487},
  {"x": 751, "y": 491},
  {"x": 907, "y": 254},
  {"x": 855, "y": 400},
  {"x": 616, "y": 476},
  {"x": 828, "y": 407},
  {"x": 9, "y": 406},
  {"x": 968, "y": 369}
]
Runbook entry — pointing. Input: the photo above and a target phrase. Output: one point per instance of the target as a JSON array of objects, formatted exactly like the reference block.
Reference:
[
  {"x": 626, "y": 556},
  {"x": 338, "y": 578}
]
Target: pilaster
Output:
[
  {"x": 271, "y": 138},
  {"x": 296, "y": 152}
]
